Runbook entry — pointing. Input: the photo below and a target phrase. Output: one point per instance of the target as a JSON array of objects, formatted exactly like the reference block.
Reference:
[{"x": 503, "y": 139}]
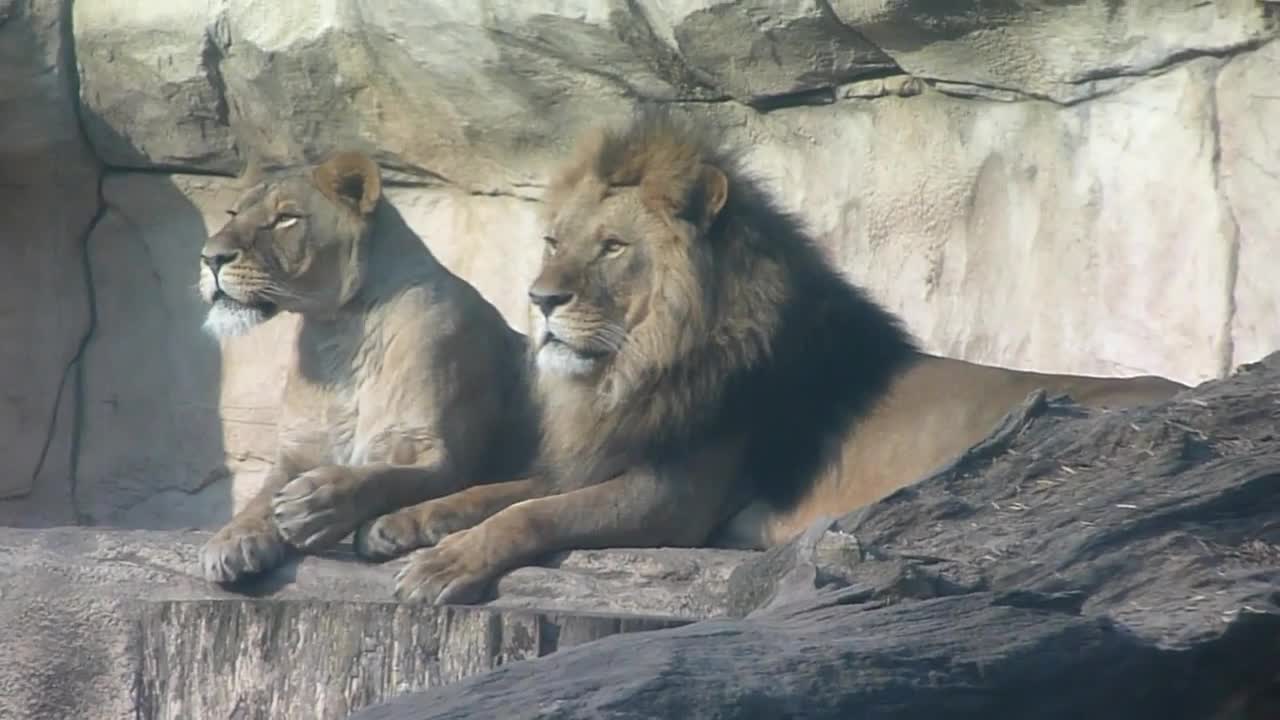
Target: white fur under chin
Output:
[
  {"x": 227, "y": 319},
  {"x": 556, "y": 359}
]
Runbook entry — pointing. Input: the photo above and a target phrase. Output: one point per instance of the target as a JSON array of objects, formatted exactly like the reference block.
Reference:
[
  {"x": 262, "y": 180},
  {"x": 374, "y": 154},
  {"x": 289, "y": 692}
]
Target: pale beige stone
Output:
[
  {"x": 445, "y": 90},
  {"x": 1083, "y": 239},
  {"x": 48, "y": 197},
  {"x": 1065, "y": 51},
  {"x": 153, "y": 405},
  {"x": 1127, "y": 230},
  {"x": 1248, "y": 101}
]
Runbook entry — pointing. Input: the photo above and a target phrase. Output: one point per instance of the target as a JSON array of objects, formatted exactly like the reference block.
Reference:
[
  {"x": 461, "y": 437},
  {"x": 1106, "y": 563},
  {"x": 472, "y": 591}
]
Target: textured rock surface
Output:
[
  {"x": 48, "y": 198},
  {"x": 1066, "y": 186},
  {"x": 1248, "y": 100},
  {"x": 111, "y": 624},
  {"x": 452, "y": 90},
  {"x": 1063, "y": 51},
  {"x": 1145, "y": 542}
]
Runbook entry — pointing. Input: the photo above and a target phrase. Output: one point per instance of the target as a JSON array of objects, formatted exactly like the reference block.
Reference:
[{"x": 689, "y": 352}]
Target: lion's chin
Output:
[
  {"x": 557, "y": 358},
  {"x": 229, "y": 318}
]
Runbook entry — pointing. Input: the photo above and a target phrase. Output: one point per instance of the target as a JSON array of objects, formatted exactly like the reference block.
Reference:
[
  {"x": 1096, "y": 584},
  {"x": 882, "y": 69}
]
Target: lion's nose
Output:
[
  {"x": 215, "y": 260},
  {"x": 548, "y": 301}
]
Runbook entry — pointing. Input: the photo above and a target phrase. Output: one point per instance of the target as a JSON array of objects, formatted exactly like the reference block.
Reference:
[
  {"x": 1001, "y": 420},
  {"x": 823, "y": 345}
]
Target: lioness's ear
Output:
[
  {"x": 253, "y": 172},
  {"x": 350, "y": 177},
  {"x": 713, "y": 191}
]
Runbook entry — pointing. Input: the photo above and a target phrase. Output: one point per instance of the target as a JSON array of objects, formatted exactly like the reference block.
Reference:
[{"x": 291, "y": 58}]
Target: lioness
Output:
[
  {"x": 404, "y": 385},
  {"x": 705, "y": 375}
]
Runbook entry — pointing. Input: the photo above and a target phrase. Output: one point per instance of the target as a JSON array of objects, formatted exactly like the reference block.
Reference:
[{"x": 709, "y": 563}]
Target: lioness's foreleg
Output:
[
  {"x": 426, "y": 523},
  {"x": 639, "y": 508},
  {"x": 249, "y": 543},
  {"x": 323, "y": 505}
]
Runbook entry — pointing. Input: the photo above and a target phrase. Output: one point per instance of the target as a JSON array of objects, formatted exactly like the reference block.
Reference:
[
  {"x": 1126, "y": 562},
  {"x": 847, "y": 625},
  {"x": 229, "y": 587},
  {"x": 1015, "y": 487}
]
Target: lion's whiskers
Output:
[
  {"x": 612, "y": 336},
  {"x": 275, "y": 292}
]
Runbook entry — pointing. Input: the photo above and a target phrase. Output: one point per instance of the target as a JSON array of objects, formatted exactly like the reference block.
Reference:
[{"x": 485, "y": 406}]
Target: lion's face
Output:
[
  {"x": 294, "y": 244},
  {"x": 603, "y": 256},
  {"x": 623, "y": 285}
]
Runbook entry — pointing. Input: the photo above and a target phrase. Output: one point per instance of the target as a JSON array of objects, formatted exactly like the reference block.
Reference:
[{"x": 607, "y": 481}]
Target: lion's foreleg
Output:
[
  {"x": 642, "y": 507},
  {"x": 426, "y": 523}
]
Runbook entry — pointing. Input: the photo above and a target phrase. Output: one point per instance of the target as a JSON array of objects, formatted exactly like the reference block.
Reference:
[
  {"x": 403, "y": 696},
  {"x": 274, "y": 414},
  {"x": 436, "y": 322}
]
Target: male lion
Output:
[
  {"x": 404, "y": 385},
  {"x": 706, "y": 376}
]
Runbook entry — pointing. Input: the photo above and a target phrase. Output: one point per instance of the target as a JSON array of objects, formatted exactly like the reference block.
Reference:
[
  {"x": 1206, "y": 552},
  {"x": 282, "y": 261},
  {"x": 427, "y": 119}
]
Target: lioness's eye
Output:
[
  {"x": 285, "y": 221},
  {"x": 613, "y": 246},
  {"x": 551, "y": 243},
  {"x": 232, "y": 213}
]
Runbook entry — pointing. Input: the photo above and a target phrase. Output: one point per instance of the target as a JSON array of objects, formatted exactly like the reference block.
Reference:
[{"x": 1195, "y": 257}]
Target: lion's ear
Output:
[
  {"x": 350, "y": 177},
  {"x": 712, "y": 192}
]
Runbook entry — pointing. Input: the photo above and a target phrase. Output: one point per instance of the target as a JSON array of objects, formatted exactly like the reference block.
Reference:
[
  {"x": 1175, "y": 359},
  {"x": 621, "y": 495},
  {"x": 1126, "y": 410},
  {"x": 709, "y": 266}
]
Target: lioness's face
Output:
[
  {"x": 597, "y": 277},
  {"x": 291, "y": 244}
]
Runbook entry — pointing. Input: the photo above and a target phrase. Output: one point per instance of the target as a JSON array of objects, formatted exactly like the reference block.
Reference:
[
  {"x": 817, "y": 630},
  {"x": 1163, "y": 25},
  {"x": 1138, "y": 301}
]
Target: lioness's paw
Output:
[
  {"x": 314, "y": 510},
  {"x": 453, "y": 571},
  {"x": 237, "y": 551}
]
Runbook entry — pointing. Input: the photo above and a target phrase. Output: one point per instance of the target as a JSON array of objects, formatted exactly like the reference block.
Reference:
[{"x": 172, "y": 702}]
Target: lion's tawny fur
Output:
[
  {"x": 705, "y": 375},
  {"x": 750, "y": 331},
  {"x": 404, "y": 384}
]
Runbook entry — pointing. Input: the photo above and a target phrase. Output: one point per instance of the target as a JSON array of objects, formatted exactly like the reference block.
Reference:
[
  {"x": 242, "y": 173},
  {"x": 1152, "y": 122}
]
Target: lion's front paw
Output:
[
  {"x": 314, "y": 510},
  {"x": 397, "y": 533},
  {"x": 453, "y": 571},
  {"x": 239, "y": 550},
  {"x": 389, "y": 536}
]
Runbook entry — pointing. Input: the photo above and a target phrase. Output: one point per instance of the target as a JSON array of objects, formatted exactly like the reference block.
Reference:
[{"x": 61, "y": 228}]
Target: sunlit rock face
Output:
[{"x": 1081, "y": 187}]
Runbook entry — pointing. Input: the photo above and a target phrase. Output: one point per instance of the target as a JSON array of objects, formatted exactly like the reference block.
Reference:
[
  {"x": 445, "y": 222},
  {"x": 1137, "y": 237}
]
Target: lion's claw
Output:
[{"x": 447, "y": 573}]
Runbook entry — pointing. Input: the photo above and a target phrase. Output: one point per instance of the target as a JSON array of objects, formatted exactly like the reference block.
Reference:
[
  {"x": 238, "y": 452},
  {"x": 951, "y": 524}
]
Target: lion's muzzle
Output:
[
  {"x": 548, "y": 301},
  {"x": 215, "y": 259}
]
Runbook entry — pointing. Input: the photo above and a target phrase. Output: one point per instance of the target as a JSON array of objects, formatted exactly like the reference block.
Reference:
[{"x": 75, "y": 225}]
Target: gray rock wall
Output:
[{"x": 1071, "y": 186}]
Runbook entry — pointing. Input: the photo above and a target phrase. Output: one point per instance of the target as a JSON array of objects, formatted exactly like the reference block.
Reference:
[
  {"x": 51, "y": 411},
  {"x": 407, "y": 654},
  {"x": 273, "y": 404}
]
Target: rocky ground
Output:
[{"x": 1075, "y": 563}]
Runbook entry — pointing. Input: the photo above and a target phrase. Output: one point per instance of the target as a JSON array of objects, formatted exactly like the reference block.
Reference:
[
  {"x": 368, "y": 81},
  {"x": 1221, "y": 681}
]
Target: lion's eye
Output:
[
  {"x": 232, "y": 213},
  {"x": 285, "y": 221},
  {"x": 613, "y": 246},
  {"x": 552, "y": 244}
]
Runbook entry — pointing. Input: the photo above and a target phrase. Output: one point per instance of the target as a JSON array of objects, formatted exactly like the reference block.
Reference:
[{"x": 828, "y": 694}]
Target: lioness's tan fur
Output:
[
  {"x": 404, "y": 383},
  {"x": 705, "y": 375}
]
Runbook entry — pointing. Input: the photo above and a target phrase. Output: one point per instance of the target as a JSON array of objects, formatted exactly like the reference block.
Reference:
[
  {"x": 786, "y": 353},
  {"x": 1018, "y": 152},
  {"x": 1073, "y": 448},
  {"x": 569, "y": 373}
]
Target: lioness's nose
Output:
[
  {"x": 216, "y": 260},
  {"x": 548, "y": 301}
]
